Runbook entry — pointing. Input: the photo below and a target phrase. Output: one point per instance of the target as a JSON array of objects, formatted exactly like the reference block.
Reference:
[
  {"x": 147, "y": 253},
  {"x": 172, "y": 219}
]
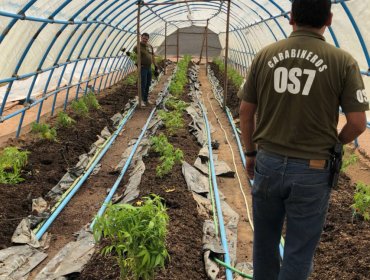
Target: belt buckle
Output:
[{"x": 317, "y": 163}]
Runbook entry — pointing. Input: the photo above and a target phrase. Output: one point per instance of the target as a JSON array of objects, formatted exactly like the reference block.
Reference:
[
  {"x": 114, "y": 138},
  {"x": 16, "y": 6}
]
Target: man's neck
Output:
[{"x": 319, "y": 31}]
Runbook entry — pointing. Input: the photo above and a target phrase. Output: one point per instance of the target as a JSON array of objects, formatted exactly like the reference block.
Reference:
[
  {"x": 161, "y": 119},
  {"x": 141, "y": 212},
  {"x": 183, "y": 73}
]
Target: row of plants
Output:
[
  {"x": 137, "y": 233},
  {"x": 13, "y": 159},
  {"x": 361, "y": 197},
  {"x": 233, "y": 75},
  {"x": 235, "y": 81},
  {"x": 80, "y": 108}
]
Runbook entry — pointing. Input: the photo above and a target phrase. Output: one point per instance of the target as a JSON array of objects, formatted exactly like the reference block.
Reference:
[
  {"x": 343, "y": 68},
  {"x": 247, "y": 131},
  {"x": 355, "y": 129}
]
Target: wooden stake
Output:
[
  {"x": 165, "y": 48},
  {"x": 178, "y": 39},
  {"x": 207, "y": 46},
  {"x": 226, "y": 53},
  {"x": 138, "y": 52}
]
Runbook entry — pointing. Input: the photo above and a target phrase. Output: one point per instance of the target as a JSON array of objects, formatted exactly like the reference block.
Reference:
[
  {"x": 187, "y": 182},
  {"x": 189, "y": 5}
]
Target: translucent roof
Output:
[{"x": 47, "y": 44}]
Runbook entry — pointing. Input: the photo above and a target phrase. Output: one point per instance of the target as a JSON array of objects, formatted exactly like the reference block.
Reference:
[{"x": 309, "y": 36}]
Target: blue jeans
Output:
[
  {"x": 285, "y": 187},
  {"x": 146, "y": 80}
]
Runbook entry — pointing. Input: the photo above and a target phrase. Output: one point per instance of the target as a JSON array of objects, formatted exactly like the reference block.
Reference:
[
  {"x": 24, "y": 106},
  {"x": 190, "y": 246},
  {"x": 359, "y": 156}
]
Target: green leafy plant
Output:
[
  {"x": 80, "y": 108},
  {"x": 91, "y": 101},
  {"x": 362, "y": 201},
  {"x": 348, "y": 161},
  {"x": 172, "y": 120},
  {"x": 12, "y": 160},
  {"x": 176, "y": 105},
  {"x": 63, "y": 120},
  {"x": 169, "y": 155},
  {"x": 137, "y": 235},
  {"x": 131, "y": 79},
  {"x": 44, "y": 131}
]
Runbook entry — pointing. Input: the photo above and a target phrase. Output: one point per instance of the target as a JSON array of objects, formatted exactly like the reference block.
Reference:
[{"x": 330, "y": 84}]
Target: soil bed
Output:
[
  {"x": 233, "y": 101},
  {"x": 343, "y": 252},
  {"x": 49, "y": 161}
]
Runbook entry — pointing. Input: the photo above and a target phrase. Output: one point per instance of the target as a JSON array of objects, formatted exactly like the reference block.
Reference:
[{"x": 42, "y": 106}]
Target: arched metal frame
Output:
[{"x": 102, "y": 28}]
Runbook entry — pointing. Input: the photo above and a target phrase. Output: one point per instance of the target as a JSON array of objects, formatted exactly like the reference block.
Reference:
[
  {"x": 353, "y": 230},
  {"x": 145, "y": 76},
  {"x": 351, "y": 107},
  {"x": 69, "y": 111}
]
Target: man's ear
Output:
[{"x": 329, "y": 20}]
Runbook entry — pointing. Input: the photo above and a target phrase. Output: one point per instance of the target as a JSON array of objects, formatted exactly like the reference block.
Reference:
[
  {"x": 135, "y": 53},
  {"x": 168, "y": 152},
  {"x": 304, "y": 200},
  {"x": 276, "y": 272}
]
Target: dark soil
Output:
[
  {"x": 48, "y": 161},
  {"x": 184, "y": 239},
  {"x": 343, "y": 252},
  {"x": 233, "y": 101}
]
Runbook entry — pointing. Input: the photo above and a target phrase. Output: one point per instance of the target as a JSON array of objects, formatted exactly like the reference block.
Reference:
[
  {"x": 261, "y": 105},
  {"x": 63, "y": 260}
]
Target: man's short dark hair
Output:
[
  {"x": 145, "y": 34},
  {"x": 311, "y": 13}
]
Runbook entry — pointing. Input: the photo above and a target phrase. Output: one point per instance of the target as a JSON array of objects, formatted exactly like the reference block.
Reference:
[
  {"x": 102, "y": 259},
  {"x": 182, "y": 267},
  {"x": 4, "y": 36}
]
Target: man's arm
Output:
[
  {"x": 356, "y": 124},
  {"x": 247, "y": 125}
]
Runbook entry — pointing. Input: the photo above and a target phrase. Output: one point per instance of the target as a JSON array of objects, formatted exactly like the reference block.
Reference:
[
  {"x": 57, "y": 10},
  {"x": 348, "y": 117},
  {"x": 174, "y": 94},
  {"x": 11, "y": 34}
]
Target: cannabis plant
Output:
[
  {"x": 91, "y": 101},
  {"x": 80, "y": 108},
  {"x": 136, "y": 235},
  {"x": 63, "y": 120},
  {"x": 169, "y": 155},
  {"x": 172, "y": 120},
  {"x": 44, "y": 131},
  {"x": 12, "y": 160},
  {"x": 362, "y": 201}
]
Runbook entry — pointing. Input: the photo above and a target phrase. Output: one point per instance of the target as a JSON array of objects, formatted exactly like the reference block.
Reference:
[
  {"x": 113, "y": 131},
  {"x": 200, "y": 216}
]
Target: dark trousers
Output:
[
  {"x": 285, "y": 187},
  {"x": 146, "y": 80}
]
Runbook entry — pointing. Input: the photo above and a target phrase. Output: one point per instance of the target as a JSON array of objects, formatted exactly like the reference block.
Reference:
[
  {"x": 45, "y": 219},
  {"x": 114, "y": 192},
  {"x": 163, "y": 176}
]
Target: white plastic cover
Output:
[{"x": 96, "y": 29}]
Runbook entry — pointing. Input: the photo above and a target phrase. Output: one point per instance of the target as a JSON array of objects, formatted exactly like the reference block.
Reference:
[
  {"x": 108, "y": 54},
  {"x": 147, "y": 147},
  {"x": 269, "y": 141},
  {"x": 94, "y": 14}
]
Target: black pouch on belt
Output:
[{"x": 336, "y": 164}]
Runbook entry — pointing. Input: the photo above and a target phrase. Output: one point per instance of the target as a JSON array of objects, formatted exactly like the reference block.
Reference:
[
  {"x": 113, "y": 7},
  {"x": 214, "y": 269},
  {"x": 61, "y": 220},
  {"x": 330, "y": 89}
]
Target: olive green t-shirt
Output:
[
  {"x": 146, "y": 54},
  {"x": 298, "y": 85}
]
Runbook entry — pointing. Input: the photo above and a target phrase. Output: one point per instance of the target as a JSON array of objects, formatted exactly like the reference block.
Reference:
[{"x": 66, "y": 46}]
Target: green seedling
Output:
[
  {"x": 172, "y": 120},
  {"x": 137, "y": 235},
  {"x": 176, "y": 105},
  {"x": 348, "y": 161},
  {"x": 44, "y": 131},
  {"x": 12, "y": 161},
  {"x": 63, "y": 120},
  {"x": 362, "y": 201},
  {"x": 169, "y": 155},
  {"x": 80, "y": 108},
  {"x": 131, "y": 79},
  {"x": 91, "y": 101}
]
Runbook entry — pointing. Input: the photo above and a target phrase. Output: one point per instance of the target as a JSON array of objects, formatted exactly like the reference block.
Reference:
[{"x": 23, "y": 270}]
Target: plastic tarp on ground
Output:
[{"x": 47, "y": 44}]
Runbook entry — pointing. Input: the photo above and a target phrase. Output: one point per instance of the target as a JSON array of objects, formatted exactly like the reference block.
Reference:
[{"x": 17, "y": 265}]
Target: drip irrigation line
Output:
[
  {"x": 76, "y": 185},
  {"x": 233, "y": 157},
  {"x": 233, "y": 269},
  {"x": 215, "y": 221},
  {"x": 217, "y": 196},
  {"x": 282, "y": 241},
  {"x": 124, "y": 170},
  {"x": 127, "y": 164}
]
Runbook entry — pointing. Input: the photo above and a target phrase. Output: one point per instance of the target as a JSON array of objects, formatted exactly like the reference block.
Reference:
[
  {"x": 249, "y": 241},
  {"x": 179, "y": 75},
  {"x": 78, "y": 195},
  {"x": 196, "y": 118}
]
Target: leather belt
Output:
[{"x": 312, "y": 163}]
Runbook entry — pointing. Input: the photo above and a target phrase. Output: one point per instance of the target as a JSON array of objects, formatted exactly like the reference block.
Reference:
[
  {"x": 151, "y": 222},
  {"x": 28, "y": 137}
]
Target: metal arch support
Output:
[
  {"x": 358, "y": 33},
  {"x": 14, "y": 21}
]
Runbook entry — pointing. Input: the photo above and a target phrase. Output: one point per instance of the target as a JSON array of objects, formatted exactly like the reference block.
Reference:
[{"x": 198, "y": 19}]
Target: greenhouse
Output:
[{"x": 126, "y": 147}]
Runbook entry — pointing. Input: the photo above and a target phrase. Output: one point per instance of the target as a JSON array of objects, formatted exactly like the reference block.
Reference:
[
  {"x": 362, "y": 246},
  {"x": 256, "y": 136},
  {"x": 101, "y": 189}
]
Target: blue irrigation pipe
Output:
[
  {"x": 236, "y": 134},
  {"x": 124, "y": 169},
  {"x": 126, "y": 166},
  {"x": 65, "y": 201},
  {"x": 229, "y": 275}
]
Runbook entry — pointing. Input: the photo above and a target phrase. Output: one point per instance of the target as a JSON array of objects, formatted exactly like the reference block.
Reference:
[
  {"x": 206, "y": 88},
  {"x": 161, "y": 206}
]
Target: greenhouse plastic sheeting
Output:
[{"x": 48, "y": 44}]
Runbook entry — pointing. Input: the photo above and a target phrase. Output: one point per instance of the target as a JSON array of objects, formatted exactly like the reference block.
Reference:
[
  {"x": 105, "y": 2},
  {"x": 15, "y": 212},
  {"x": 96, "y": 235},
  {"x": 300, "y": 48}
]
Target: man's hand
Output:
[{"x": 250, "y": 167}]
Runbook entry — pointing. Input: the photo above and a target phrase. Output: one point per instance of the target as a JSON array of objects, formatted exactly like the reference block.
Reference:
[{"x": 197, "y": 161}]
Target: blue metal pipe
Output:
[
  {"x": 358, "y": 32},
  {"x": 65, "y": 201},
  {"x": 124, "y": 169},
  {"x": 47, "y": 21}
]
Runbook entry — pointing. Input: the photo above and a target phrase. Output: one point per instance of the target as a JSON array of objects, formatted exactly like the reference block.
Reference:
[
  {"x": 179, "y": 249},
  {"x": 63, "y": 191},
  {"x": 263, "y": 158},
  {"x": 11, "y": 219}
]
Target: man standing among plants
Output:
[
  {"x": 147, "y": 58},
  {"x": 295, "y": 88}
]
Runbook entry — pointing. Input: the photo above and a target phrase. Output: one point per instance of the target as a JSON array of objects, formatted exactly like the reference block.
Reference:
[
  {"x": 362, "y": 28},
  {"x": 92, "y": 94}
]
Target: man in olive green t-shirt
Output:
[
  {"x": 147, "y": 58},
  {"x": 295, "y": 87}
]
